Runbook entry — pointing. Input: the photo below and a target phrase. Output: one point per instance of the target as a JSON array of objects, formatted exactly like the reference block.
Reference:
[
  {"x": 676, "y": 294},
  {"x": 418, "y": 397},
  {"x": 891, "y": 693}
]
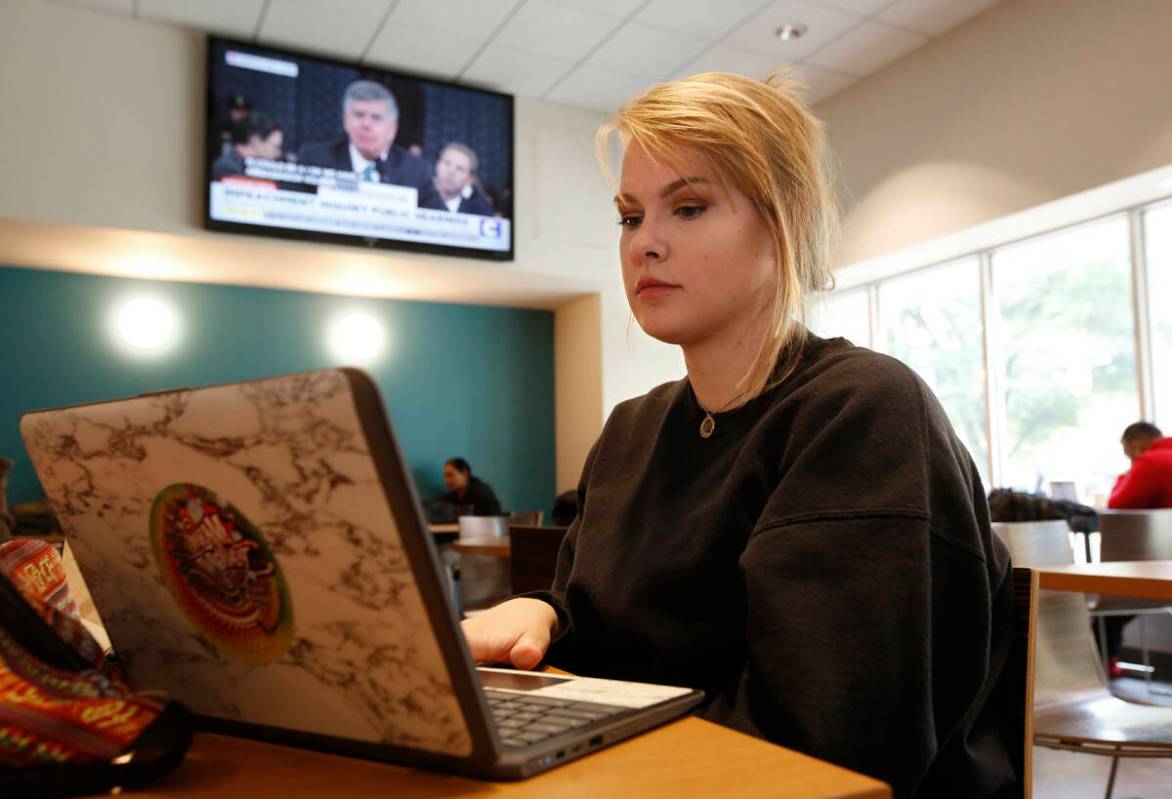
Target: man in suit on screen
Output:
[
  {"x": 455, "y": 181},
  {"x": 370, "y": 117}
]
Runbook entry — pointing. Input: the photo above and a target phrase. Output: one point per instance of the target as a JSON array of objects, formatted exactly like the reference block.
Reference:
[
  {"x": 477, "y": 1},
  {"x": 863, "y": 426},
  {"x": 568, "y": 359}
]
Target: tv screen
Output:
[{"x": 304, "y": 147}]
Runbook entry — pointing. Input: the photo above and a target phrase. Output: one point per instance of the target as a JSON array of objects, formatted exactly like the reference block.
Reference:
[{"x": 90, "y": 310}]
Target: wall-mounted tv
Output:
[{"x": 303, "y": 147}]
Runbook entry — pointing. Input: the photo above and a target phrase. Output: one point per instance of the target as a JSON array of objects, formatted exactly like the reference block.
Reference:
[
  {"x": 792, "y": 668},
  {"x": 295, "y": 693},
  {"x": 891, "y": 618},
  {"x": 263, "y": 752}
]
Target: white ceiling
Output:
[{"x": 589, "y": 53}]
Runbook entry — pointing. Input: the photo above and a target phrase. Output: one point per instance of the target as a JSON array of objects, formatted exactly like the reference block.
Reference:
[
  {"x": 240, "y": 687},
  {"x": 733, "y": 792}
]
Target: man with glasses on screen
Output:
[{"x": 370, "y": 117}]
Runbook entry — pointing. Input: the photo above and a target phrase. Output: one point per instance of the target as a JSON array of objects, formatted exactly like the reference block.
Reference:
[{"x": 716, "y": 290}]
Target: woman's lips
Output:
[{"x": 646, "y": 289}]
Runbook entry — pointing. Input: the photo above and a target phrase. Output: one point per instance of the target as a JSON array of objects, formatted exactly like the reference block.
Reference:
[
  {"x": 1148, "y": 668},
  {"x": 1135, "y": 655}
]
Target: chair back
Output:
[
  {"x": 1037, "y": 544},
  {"x": 533, "y": 556},
  {"x": 1015, "y": 689},
  {"x": 483, "y": 526},
  {"x": 1135, "y": 535},
  {"x": 1065, "y": 659},
  {"x": 527, "y": 518}
]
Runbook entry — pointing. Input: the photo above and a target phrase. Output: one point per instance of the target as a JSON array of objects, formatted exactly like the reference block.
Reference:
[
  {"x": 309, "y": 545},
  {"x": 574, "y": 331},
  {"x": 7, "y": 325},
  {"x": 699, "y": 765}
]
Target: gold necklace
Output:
[{"x": 708, "y": 425}]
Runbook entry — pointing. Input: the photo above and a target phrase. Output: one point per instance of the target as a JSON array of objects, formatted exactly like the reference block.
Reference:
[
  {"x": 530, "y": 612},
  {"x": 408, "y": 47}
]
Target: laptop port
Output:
[
  {"x": 596, "y": 741},
  {"x": 561, "y": 755}
]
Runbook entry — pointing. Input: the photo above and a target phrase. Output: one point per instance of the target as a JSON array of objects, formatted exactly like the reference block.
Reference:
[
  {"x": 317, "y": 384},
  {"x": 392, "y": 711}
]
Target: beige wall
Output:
[
  {"x": 1028, "y": 102},
  {"x": 577, "y": 382}
]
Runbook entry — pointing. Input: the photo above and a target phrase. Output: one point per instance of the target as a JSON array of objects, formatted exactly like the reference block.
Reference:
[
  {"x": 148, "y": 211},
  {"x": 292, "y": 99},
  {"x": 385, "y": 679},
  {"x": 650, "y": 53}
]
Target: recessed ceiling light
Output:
[{"x": 790, "y": 31}]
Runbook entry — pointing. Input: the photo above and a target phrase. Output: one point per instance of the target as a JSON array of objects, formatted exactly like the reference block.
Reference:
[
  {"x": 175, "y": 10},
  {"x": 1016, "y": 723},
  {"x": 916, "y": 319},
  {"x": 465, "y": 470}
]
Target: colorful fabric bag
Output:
[{"x": 69, "y": 724}]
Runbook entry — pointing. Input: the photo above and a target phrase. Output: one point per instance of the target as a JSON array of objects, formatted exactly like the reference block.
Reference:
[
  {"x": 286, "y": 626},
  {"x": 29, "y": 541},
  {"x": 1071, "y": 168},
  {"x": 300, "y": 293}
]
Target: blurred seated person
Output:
[
  {"x": 455, "y": 180},
  {"x": 464, "y": 489},
  {"x": 256, "y": 136},
  {"x": 565, "y": 508},
  {"x": 1148, "y": 483},
  {"x": 370, "y": 117}
]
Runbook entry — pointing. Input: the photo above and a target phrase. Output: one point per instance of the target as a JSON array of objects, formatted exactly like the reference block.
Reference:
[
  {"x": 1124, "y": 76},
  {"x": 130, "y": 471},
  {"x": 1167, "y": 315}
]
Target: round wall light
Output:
[
  {"x": 357, "y": 338},
  {"x": 145, "y": 324}
]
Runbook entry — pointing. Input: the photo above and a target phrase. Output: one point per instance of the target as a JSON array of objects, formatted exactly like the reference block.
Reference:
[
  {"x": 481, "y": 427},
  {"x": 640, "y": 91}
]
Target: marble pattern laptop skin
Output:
[{"x": 241, "y": 552}]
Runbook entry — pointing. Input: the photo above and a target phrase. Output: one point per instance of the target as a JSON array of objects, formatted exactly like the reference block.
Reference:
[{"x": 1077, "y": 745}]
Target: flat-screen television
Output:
[{"x": 304, "y": 147}]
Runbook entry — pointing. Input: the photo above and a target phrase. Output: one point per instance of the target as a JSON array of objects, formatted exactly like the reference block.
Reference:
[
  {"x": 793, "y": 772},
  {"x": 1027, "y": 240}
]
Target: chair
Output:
[
  {"x": 483, "y": 526},
  {"x": 528, "y": 518},
  {"x": 1132, "y": 535},
  {"x": 533, "y": 556},
  {"x": 1073, "y": 709},
  {"x": 1014, "y": 694},
  {"x": 483, "y": 580}
]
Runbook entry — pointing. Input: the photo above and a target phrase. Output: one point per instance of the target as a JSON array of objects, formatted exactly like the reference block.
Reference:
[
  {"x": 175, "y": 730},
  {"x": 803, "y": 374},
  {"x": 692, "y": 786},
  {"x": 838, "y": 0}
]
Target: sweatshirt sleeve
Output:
[
  {"x": 562, "y": 640},
  {"x": 1137, "y": 488}
]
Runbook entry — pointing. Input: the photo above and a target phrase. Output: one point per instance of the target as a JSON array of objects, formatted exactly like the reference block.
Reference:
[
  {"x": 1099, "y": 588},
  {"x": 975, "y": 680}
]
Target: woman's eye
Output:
[
  {"x": 630, "y": 220},
  {"x": 690, "y": 211}
]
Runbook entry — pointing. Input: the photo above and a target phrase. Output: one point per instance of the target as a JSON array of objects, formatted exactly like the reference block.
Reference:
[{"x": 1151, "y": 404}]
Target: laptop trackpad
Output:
[{"x": 579, "y": 689}]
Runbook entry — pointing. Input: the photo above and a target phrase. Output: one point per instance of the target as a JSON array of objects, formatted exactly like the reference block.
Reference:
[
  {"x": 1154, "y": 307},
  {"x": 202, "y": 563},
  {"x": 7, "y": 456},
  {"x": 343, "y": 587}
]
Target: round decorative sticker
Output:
[{"x": 221, "y": 573}]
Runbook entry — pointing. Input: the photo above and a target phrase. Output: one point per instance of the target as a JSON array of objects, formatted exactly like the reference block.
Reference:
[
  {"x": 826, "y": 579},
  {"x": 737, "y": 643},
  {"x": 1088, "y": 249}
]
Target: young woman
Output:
[{"x": 793, "y": 527}]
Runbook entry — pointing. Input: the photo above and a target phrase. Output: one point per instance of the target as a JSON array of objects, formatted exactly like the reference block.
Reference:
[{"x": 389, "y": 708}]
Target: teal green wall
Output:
[{"x": 458, "y": 379}]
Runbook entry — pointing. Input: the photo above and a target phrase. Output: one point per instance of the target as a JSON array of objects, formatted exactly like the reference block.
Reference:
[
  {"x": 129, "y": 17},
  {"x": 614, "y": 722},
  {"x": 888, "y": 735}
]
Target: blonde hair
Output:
[{"x": 758, "y": 137}]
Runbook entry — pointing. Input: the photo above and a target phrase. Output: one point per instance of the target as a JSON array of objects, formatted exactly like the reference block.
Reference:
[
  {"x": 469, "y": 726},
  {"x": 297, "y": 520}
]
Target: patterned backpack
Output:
[{"x": 69, "y": 724}]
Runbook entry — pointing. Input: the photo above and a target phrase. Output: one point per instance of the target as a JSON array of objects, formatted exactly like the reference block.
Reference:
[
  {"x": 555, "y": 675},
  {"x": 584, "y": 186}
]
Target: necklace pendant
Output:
[{"x": 708, "y": 426}]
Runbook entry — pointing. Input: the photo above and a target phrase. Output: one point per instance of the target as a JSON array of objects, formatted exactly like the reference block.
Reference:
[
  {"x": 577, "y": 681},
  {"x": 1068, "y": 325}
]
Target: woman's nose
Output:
[{"x": 647, "y": 243}]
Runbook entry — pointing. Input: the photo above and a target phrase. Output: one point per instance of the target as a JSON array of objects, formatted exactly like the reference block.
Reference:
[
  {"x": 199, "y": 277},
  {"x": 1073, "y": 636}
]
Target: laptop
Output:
[{"x": 257, "y": 550}]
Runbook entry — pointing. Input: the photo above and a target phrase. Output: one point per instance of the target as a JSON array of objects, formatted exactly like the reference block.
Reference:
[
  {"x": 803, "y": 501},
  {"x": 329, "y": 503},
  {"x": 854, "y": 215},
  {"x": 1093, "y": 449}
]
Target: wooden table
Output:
[
  {"x": 444, "y": 528},
  {"x": 689, "y": 757},
  {"x": 496, "y": 546},
  {"x": 1145, "y": 579}
]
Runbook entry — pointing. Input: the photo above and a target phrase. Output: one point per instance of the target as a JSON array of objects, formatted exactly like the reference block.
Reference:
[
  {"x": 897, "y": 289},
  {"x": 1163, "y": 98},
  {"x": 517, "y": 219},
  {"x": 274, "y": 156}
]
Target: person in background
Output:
[
  {"x": 794, "y": 527},
  {"x": 456, "y": 183},
  {"x": 465, "y": 489},
  {"x": 370, "y": 117},
  {"x": 238, "y": 107},
  {"x": 256, "y": 136},
  {"x": 1148, "y": 483}
]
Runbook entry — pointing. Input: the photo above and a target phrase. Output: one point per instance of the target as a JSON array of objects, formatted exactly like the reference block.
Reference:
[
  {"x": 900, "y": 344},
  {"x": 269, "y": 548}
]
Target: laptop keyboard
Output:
[{"x": 524, "y": 720}]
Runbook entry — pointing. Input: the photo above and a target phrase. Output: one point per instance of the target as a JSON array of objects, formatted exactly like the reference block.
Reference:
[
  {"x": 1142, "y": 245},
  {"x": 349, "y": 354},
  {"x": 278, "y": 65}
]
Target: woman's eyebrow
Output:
[{"x": 665, "y": 192}]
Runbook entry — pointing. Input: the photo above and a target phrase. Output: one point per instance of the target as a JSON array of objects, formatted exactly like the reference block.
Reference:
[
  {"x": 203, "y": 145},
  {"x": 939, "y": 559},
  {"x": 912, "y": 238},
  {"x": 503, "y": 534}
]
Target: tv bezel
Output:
[{"x": 321, "y": 237}]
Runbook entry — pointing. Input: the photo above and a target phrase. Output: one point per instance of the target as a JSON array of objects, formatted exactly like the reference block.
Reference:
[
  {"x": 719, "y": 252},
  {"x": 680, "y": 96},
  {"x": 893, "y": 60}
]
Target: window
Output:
[
  {"x": 1157, "y": 227},
  {"x": 1067, "y": 356},
  {"x": 846, "y": 314},
  {"x": 931, "y": 320}
]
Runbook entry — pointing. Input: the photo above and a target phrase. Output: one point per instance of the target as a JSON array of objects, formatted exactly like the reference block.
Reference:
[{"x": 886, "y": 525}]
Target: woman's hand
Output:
[{"x": 517, "y": 632}]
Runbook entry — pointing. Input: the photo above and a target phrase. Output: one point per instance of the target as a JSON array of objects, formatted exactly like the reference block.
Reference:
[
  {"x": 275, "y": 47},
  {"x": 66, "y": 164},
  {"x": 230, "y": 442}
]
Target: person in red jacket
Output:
[{"x": 1148, "y": 483}]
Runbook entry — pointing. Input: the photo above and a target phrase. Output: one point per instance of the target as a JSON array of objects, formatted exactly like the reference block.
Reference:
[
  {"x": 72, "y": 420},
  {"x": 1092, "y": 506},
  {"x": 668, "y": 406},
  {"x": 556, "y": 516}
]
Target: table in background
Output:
[
  {"x": 689, "y": 757},
  {"x": 1145, "y": 579}
]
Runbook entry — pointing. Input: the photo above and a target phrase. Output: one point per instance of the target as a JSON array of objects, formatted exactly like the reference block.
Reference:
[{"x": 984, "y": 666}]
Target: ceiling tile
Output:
[
  {"x": 116, "y": 6},
  {"x": 236, "y": 17},
  {"x": 337, "y": 27},
  {"x": 618, "y": 9},
  {"x": 707, "y": 20},
  {"x": 866, "y": 49},
  {"x": 555, "y": 31},
  {"x": 932, "y": 17},
  {"x": 516, "y": 71},
  {"x": 823, "y": 26},
  {"x": 645, "y": 51},
  {"x": 857, "y": 8},
  {"x": 726, "y": 58},
  {"x": 591, "y": 87},
  {"x": 821, "y": 83},
  {"x": 428, "y": 52},
  {"x": 468, "y": 19}
]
